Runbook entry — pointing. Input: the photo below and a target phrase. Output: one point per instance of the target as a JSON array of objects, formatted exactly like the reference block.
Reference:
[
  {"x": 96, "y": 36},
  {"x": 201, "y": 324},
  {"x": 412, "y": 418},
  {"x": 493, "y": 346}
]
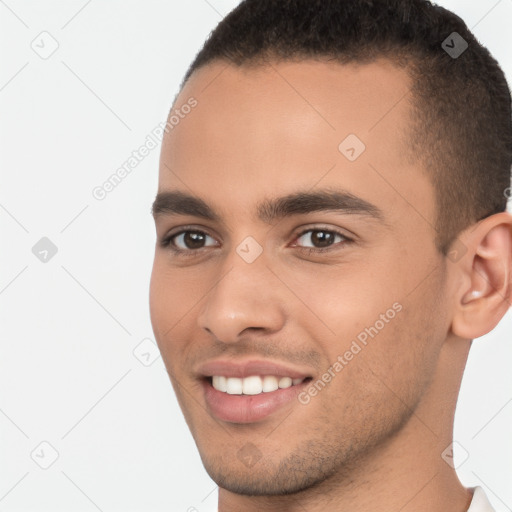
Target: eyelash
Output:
[{"x": 166, "y": 242}]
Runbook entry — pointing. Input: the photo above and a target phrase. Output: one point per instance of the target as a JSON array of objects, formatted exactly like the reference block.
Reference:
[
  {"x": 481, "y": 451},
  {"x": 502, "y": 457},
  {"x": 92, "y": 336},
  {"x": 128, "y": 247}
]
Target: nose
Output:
[{"x": 246, "y": 296}]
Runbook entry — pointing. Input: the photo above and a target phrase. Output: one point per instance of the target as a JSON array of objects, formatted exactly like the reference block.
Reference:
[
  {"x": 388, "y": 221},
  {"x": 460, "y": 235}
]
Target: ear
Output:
[{"x": 484, "y": 276}]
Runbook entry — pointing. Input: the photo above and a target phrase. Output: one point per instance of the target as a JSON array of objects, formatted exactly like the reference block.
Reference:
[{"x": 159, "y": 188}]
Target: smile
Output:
[
  {"x": 250, "y": 399},
  {"x": 252, "y": 385}
]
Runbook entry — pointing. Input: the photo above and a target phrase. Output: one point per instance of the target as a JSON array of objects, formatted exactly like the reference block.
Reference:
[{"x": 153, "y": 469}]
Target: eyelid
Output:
[{"x": 319, "y": 227}]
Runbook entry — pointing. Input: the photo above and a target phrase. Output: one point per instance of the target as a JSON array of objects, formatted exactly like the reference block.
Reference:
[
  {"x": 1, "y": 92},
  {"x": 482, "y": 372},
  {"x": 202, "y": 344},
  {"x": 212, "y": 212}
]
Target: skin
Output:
[{"x": 372, "y": 439}]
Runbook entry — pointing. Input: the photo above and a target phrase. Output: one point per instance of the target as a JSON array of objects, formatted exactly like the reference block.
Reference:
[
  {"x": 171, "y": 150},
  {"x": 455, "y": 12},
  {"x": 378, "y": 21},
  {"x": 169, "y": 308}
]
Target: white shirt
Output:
[{"x": 480, "y": 503}]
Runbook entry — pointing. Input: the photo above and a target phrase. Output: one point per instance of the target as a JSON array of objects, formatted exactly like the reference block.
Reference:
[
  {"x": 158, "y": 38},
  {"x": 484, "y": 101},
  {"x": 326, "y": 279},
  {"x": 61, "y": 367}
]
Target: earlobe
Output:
[{"x": 485, "y": 296}]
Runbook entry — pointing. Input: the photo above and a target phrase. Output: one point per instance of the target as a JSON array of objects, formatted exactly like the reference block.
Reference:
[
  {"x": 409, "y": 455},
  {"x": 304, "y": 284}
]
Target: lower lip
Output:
[{"x": 248, "y": 408}]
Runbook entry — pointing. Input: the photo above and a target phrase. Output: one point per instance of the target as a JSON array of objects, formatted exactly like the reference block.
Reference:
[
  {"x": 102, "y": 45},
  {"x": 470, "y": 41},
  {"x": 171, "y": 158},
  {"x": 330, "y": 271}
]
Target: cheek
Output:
[
  {"x": 400, "y": 360},
  {"x": 158, "y": 298},
  {"x": 342, "y": 303},
  {"x": 383, "y": 335},
  {"x": 166, "y": 304},
  {"x": 381, "y": 380},
  {"x": 175, "y": 296},
  {"x": 172, "y": 295}
]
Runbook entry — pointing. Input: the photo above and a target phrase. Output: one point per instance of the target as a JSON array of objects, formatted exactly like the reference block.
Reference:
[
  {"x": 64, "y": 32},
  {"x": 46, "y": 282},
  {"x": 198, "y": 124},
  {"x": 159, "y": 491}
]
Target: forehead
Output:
[{"x": 288, "y": 125}]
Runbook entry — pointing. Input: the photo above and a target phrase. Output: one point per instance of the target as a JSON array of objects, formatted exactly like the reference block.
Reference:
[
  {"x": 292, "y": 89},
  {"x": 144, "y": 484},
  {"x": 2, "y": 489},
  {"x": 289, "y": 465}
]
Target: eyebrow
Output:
[{"x": 176, "y": 202}]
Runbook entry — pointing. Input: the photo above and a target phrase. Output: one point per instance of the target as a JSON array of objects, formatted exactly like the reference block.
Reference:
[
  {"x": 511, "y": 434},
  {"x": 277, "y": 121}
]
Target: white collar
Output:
[{"x": 479, "y": 503}]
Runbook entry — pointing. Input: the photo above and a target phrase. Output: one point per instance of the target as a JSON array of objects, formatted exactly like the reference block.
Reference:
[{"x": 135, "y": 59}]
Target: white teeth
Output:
[
  {"x": 220, "y": 383},
  {"x": 285, "y": 382},
  {"x": 234, "y": 386},
  {"x": 253, "y": 385},
  {"x": 270, "y": 383}
]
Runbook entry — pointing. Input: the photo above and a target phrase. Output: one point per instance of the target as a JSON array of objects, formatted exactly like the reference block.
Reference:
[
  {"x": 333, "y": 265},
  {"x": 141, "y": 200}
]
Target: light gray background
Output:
[{"x": 69, "y": 327}]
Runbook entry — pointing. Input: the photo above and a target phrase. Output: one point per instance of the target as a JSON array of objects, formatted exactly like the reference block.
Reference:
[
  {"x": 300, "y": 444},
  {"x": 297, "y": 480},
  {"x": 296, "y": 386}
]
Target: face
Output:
[{"x": 314, "y": 262}]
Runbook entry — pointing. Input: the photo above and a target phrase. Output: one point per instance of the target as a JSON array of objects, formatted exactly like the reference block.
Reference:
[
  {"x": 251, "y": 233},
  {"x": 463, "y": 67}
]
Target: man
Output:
[{"x": 331, "y": 237}]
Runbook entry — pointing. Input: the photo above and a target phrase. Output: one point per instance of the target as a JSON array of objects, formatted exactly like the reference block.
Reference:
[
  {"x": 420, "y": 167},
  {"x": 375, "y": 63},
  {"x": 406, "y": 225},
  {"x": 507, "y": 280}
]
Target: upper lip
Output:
[{"x": 241, "y": 369}]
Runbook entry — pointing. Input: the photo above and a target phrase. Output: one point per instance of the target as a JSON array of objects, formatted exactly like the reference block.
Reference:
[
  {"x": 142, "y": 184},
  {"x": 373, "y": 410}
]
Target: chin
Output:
[{"x": 290, "y": 475}]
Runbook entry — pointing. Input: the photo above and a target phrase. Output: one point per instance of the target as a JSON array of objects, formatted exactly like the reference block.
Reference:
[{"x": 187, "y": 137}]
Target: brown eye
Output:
[
  {"x": 189, "y": 240},
  {"x": 321, "y": 238}
]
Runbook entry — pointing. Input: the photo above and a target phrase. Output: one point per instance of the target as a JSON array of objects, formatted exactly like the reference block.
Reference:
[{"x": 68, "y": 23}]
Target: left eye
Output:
[{"x": 321, "y": 238}]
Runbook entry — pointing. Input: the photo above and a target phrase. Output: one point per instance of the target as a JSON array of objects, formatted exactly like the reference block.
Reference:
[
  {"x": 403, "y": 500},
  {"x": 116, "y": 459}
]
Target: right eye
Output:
[{"x": 186, "y": 241}]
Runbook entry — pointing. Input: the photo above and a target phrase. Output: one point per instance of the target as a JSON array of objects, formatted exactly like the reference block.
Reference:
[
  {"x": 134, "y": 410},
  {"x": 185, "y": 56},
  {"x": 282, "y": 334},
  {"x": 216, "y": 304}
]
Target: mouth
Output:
[
  {"x": 250, "y": 392},
  {"x": 246, "y": 401}
]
